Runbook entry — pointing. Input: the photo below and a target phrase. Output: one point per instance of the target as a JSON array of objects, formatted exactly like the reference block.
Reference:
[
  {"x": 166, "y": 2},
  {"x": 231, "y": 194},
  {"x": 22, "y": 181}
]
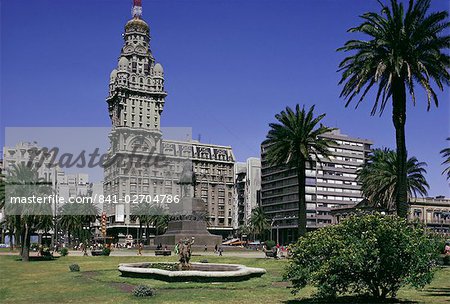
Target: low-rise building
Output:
[{"x": 434, "y": 212}]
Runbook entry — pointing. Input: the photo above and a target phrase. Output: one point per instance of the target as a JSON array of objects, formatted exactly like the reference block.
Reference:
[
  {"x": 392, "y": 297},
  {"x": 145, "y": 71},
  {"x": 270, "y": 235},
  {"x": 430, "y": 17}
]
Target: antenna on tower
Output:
[{"x": 136, "y": 11}]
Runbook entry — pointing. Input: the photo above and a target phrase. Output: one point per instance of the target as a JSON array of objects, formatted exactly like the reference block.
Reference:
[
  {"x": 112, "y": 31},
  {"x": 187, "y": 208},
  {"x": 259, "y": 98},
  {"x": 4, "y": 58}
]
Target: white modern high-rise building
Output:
[
  {"x": 72, "y": 185},
  {"x": 330, "y": 183},
  {"x": 33, "y": 156}
]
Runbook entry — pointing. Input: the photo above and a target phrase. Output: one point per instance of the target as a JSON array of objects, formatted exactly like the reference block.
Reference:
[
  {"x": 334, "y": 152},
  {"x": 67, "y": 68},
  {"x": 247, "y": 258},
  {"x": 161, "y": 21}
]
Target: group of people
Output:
[
  {"x": 160, "y": 247},
  {"x": 277, "y": 251}
]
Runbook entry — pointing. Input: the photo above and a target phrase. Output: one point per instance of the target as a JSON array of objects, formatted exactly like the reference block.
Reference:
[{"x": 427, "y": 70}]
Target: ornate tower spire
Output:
[{"x": 136, "y": 11}]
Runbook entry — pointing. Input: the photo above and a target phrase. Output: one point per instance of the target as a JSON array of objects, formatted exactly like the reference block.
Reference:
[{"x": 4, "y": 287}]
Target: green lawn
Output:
[{"x": 99, "y": 281}]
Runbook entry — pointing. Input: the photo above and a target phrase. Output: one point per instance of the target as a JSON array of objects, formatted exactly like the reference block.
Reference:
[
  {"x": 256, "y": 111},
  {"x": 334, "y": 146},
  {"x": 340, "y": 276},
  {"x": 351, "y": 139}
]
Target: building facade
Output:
[
  {"x": 434, "y": 212},
  {"x": 329, "y": 183},
  {"x": 32, "y": 155},
  {"x": 72, "y": 185},
  {"x": 153, "y": 165},
  {"x": 247, "y": 180}
]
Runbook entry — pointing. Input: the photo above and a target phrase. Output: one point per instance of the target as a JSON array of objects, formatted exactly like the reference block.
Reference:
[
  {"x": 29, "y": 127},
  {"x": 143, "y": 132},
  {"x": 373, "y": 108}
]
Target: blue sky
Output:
[{"x": 230, "y": 66}]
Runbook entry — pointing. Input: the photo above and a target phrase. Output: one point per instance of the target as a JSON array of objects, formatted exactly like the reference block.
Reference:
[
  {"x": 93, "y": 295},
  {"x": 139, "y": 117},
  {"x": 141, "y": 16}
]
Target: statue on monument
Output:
[{"x": 187, "y": 179}]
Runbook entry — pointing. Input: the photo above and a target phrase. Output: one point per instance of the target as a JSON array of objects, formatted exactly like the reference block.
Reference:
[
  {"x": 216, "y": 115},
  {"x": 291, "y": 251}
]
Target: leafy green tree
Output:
[
  {"x": 259, "y": 223},
  {"x": 365, "y": 255},
  {"x": 446, "y": 155},
  {"x": 293, "y": 142},
  {"x": 378, "y": 178},
  {"x": 405, "y": 48}
]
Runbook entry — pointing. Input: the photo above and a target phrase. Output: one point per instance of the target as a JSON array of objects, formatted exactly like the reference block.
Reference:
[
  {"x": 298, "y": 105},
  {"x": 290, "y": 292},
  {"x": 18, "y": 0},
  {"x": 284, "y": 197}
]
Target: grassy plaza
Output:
[
  {"x": 100, "y": 281},
  {"x": 201, "y": 152}
]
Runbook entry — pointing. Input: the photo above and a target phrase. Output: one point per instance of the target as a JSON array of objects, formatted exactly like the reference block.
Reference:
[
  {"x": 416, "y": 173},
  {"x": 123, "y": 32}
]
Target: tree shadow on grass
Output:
[
  {"x": 347, "y": 299},
  {"x": 39, "y": 259},
  {"x": 437, "y": 292}
]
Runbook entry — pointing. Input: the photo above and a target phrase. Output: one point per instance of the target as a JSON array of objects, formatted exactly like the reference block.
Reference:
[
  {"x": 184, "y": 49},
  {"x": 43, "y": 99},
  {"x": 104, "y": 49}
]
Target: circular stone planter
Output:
[{"x": 199, "y": 272}]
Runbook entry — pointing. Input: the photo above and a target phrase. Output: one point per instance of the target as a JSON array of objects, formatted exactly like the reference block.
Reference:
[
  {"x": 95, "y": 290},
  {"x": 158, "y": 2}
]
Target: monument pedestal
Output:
[{"x": 186, "y": 229}]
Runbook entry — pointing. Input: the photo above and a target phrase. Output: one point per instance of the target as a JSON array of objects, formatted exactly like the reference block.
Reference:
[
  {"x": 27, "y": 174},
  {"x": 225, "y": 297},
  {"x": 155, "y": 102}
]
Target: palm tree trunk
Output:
[
  {"x": 301, "y": 178},
  {"x": 399, "y": 119},
  {"x": 3, "y": 234},
  {"x": 17, "y": 231},
  {"x": 140, "y": 231},
  {"x": 22, "y": 239},
  {"x": 11, "y": 235},
  {"x": 26, "y": 244}
]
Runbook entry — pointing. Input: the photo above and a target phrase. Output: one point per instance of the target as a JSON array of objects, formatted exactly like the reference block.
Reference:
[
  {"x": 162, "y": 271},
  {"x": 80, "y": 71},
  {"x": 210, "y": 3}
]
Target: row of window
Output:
[{"x": 338, "y": 198}]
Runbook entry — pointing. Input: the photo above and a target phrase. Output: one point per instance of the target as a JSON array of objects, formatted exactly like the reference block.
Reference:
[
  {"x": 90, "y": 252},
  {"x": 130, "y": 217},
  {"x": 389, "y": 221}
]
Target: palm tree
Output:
[
  {"x": 24, "y": 182},
  {"x": 259, "y": 223},
  {"x": 160, "y": 222},
  {"x": 142, "y": 212},
  {"x": 68, "y": 221},
  {"x": 293, "y": 142},
  {"x": 378, "y": 178},
  {"x": 406, "y": 48},
  {"x": 446, "y": 155},
  {"x": 244, "y": 229},
  {"x": 2, "y": 204},
  {"x": 75, "y": 218},
  {"x": 2, "y": 191}
]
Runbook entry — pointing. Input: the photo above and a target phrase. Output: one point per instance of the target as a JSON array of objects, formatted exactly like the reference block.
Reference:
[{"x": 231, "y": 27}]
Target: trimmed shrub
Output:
[
  {"x": 367, "y": 255},
  {"x": 106, "y": 251},
  {"x": 270, "y": 245},
  {"x": 143, "y": 291},
  {"x": 64, "y": 251},
  {"x": 74, "y": 268}
]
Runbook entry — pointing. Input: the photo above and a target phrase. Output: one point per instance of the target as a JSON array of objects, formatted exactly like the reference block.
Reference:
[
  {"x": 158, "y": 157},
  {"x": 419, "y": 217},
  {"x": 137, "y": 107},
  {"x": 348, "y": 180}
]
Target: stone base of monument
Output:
[
  {"x": 197, "y": 272},
  {"x": 186, "y": 229}
]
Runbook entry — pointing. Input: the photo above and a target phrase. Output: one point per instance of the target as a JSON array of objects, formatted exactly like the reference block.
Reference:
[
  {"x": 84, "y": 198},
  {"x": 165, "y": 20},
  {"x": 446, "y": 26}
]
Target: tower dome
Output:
[
  {"x": 136, "y": 24},
  {"x": 112, "y": 77},
  {"x": 159, "y": 71},
  {"x": 123, "y": 64}
]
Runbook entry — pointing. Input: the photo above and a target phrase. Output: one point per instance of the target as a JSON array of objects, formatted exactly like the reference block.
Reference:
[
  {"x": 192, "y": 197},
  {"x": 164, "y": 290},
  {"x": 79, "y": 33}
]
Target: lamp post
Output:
[{"x": 271, "y": 225}]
